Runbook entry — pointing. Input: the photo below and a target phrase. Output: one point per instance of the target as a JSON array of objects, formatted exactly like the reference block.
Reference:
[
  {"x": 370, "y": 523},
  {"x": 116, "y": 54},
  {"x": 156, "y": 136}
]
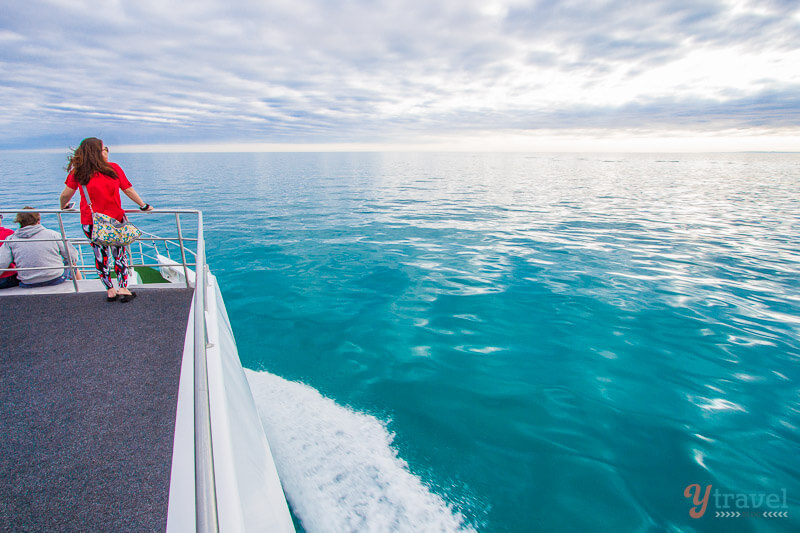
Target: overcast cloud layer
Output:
[{"x": 315, "y": 71}]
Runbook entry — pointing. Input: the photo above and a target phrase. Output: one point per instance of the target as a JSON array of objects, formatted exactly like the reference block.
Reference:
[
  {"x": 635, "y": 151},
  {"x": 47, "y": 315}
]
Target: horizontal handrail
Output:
[
  {"x": 130, "y": 211},
  {"x": 86, "y": 241}
]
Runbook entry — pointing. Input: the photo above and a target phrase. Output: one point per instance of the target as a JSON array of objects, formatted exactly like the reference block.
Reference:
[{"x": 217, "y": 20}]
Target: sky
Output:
[{"x": 517, "y": 75}]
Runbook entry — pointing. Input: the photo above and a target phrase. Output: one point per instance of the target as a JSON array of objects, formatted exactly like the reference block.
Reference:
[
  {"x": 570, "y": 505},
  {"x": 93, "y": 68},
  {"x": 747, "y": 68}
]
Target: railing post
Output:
[
  {"x": 66, "y": 251},
  {"x": 183, "y": 253}
]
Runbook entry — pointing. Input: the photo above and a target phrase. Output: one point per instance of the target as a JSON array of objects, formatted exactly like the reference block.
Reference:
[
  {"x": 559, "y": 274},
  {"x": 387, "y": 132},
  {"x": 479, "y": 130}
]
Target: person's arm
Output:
[
  {"x": 5, "y": 256},
  {"x": 73, "y": 257},
  {"x": 131, "y": 193},
  {"x": 66, "y": 196},
  {"x": 73, "y": 253}
]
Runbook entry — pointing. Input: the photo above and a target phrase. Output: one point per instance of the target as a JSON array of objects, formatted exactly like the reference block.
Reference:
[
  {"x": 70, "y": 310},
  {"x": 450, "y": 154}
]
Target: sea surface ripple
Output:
[{"x": 552, "y": 342}]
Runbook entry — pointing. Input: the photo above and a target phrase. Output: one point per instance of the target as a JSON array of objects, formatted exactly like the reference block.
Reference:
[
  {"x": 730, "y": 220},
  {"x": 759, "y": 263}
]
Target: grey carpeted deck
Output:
[{"x": 88, "y": 392}]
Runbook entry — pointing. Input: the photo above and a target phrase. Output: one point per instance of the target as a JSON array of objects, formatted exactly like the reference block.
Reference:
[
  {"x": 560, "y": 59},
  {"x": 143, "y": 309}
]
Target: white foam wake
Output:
[{"x": 338, "y": 468}]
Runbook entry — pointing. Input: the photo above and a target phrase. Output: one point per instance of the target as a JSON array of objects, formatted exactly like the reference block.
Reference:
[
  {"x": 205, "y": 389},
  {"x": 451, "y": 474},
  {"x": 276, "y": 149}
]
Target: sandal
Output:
[
  {"x": 112, "y": 298},
  {"x": 125, "y": 298}
]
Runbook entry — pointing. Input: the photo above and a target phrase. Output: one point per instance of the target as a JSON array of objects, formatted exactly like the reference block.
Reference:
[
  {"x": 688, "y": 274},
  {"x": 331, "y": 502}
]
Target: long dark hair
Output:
[{"x": 88, "y": 159}]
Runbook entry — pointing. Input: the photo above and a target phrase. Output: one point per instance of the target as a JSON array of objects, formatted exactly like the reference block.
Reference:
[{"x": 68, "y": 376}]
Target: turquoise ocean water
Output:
[{"x": 505, "y": 342}]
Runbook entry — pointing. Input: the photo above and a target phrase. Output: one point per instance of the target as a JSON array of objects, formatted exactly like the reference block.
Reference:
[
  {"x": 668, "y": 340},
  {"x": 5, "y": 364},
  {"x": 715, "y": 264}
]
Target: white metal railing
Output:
[
  {"x": 205, "y": 487},
  {"x": 148, "y": 238}
]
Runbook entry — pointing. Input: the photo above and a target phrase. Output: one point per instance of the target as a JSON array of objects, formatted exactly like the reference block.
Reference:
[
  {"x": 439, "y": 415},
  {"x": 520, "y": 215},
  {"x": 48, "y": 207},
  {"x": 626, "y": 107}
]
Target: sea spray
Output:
[{"x": 338, "y": 468}]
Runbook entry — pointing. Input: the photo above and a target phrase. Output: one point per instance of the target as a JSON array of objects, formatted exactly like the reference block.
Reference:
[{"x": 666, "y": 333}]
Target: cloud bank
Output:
[{"x": 357, "y": 71}]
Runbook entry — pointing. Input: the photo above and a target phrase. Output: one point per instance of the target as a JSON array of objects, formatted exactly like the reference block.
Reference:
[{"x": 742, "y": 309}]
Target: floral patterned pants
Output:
[{"x": 102, "y": 257}]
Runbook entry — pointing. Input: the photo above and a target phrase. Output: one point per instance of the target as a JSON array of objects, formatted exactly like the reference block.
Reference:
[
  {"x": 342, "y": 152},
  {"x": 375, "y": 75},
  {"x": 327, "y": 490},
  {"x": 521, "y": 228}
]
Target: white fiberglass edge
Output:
[
  {"x": 181, "y": 514},
  {"x": 249, "y": 492}
]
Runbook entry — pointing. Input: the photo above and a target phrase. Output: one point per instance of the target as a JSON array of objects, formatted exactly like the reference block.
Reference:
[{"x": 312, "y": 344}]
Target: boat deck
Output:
[{"x": 88, "y": 395}]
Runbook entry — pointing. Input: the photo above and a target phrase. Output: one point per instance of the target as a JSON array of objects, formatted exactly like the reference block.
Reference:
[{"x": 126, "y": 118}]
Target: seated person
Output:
[
  {"x": 8, "y": 279},
  {"x": 33, "y": 245}
]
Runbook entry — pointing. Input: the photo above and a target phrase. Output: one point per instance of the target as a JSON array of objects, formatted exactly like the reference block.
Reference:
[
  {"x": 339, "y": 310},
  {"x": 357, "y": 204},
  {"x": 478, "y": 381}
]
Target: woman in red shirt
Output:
[{"x": 89, "y": 166}]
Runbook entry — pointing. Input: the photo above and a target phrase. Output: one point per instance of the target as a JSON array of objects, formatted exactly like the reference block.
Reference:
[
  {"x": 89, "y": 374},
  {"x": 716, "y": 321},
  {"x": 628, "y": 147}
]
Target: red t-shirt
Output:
[
  {"x": 104, "y": 192},
  {"x": 5, "y": 232}
]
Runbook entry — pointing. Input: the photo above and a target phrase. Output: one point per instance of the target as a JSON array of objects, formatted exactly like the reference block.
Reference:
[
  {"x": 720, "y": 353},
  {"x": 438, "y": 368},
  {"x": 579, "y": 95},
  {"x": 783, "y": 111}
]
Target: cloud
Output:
[{"x": 356, "y": 71}]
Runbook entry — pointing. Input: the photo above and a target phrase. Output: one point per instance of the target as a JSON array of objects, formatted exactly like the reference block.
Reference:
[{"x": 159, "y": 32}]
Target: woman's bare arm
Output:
[
  {"x": 66, "y": 196},
  {"x": 131, "y": 193}
]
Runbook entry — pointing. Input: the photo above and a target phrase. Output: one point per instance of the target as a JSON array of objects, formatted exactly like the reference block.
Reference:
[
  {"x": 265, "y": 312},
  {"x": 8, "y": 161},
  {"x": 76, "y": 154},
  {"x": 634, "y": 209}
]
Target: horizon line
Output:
[
  {"x": 172, "y": 149},
  {"x": 692, "y": 143}
]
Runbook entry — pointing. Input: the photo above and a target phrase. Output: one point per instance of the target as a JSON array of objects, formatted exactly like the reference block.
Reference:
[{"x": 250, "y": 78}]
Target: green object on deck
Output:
[{"x": 149, "y": 275}]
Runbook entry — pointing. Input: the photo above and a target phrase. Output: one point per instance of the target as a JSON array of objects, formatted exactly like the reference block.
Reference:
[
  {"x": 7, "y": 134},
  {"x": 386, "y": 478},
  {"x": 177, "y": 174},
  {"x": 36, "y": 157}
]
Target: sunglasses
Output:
[{"x": 105, "y": 149}]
